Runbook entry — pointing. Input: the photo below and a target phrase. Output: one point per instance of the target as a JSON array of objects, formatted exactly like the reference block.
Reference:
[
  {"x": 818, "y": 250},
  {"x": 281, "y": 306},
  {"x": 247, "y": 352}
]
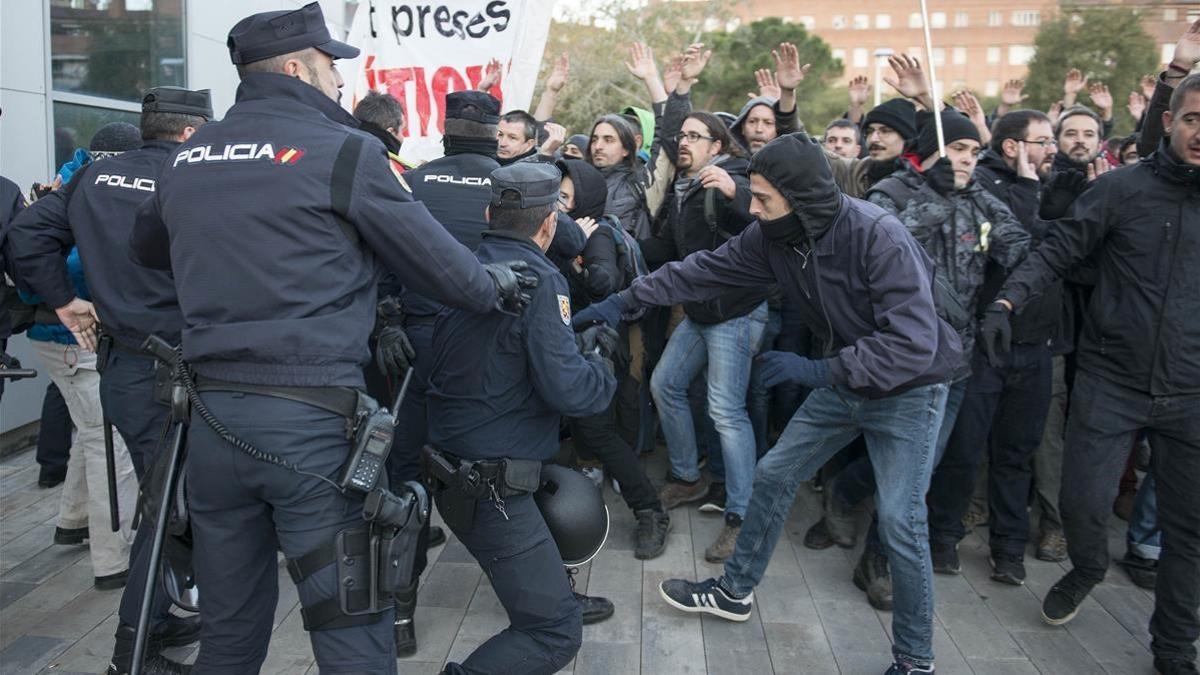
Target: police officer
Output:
[
  {"x": 95, "y": 213},
  {"x": 498, "y": 388},
  {"x": 271, "y": 221}
]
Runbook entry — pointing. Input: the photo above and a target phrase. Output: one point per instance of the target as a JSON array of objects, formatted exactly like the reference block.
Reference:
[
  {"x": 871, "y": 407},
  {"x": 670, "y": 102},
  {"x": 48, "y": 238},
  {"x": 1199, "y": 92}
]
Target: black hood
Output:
[
  {"x": 990, "y": 160},
  {"x": 796, "y": 165},
  {"x": 735, "y": 129},
  {"x": 591, "y": 191}
]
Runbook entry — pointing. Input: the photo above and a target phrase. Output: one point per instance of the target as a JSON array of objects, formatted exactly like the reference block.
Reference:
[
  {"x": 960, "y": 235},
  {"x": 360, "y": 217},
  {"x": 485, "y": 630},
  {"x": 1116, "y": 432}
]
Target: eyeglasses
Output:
[
  {"x": 1045, "y": 144},
  {"x": 691, "y": 137}
]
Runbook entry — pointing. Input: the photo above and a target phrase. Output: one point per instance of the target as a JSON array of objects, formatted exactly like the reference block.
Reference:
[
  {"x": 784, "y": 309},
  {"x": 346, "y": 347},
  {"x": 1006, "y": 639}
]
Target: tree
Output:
[{"x": 1106, "y": 44}]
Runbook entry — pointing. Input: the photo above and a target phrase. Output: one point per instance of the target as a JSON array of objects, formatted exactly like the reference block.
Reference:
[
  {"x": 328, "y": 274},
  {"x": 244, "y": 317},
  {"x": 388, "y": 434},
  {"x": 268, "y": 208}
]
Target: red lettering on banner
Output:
[{"x": 445, "y": 79}]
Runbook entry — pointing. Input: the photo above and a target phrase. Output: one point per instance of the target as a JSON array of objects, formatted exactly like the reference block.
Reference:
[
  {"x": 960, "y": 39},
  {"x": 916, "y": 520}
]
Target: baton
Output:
[
  {"x": 937, "y": 113},
  {"x": 17, "y": 373},
  {"x": 110, "y": 462}
]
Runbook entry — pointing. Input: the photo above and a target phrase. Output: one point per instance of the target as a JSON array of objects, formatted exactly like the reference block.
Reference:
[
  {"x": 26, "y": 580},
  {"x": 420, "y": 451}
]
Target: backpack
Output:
[
  {"x": 945, "y": 299},
  {"x": 629, "y": 258}
]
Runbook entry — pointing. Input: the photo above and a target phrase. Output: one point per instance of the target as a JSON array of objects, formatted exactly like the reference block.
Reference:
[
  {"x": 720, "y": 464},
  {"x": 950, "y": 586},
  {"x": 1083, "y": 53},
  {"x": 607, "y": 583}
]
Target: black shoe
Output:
[
  {"x": 1008, "y": 568},
  {"x": 872, "y": 576},
  {"x": 53, "y": 480},
  {"x": 1174, "y": 667},
  {"x": 113, "y": 581},
  {"x": 902, "y": 667},
  {"x": 945, "y": 558},
  {"x": 70, "y": 536},
  {"x": 1143, "y": 572},
  {"x": 706, "y": 597},
  {"x": 818, "y": 537},
  {"x": 650, "y": 536},
  {"x": 405, "y": 627},
  {"x": 1062, "y": 602},
  {"x": 714, "y": 501},
  {"x": 154, "y": 663},
  {"x": 595, "y": 609},
  {"x": 437, "y": 536},
  {"x": 178, "y": 631}
]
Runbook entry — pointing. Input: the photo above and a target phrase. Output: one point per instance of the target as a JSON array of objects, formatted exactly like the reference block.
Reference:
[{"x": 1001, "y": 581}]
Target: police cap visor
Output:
[
  {"x": 178, "y": 100},
  {"x": 261, "y": 36},
  {"x": 525, "y": 184}
]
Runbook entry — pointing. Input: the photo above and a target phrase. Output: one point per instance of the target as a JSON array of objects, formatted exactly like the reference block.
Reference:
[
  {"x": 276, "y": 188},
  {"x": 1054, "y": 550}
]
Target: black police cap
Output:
[
  {"x": 178, "y": 100},
  {"x": 526, "y": 184},
  {"x": 261, "y": 36},
  {"x": 477, "y": 106}
]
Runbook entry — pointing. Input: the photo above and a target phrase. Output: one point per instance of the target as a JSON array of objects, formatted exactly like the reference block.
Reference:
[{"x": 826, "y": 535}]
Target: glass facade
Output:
[{"x": 74, "y": 125}]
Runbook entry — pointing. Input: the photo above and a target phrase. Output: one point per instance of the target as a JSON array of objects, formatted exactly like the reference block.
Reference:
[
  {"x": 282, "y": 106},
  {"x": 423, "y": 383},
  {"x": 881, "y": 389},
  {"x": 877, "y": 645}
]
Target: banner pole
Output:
[{"x": 933, "y": 89}]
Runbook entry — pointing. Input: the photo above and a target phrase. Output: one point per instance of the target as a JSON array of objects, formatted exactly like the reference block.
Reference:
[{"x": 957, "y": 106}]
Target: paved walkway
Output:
[{"x": 809, "y": 618}]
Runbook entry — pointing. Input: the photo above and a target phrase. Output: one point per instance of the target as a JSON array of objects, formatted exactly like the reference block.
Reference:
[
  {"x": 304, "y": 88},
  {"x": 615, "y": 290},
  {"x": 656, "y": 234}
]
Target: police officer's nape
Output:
[
  {"x": 523, "y": 201},
  {"x": 168, "y": 113},
  {"x": 574, "y": 512},
  {"x": 293, "y": 43}
]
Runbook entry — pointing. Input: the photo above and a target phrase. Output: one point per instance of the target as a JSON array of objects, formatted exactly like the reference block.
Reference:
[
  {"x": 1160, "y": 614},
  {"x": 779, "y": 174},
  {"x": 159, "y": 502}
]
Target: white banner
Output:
[{"x": 420, "y": 51}]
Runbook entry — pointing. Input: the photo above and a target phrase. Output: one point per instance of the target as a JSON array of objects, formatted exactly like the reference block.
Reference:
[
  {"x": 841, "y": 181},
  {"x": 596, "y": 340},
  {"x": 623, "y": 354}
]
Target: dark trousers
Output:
[
  {"x": 526, "y": 571},
  {"x": 599, "y": 437},
  {"x": 127, "y": 395},
  {"x": 1008, "y": 406},
  {"x": 54, "y": 435},
  {"x": 1102, "y": 423},
  {"x": 245, "y": 510}
]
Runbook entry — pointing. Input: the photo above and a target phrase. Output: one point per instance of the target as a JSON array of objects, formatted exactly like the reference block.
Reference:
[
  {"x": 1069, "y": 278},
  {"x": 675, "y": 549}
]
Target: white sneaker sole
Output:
[
  {"x": 715, "y": 611},
  {"x": 1059, "y": 622}
]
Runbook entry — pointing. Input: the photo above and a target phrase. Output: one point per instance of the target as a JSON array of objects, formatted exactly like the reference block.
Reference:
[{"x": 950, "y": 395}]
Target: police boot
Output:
[
  {"x": 593, "y": 608},
  {"x": 153, "y": 664},
  {"x": 406, "y": 630}
]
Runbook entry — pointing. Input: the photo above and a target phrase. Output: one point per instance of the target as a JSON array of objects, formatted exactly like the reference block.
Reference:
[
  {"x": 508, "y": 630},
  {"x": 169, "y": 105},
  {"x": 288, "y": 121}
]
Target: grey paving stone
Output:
[
  {"x": 29, "y": 653},
  {"x": 985, "y": 667},
  {"x": 976, "y": 631},
  {"x": 799, "y": 647},
  {"x": 672, "y": 644},
  {"x": 1108, "y": 641},
  {"x": 11, "y": 591},
  {"x": 853, "y": 627},
  {"x": 607, "y": 658},
  {"x": 1059, "y": 653},
  {"x": 624, "y": 626}
]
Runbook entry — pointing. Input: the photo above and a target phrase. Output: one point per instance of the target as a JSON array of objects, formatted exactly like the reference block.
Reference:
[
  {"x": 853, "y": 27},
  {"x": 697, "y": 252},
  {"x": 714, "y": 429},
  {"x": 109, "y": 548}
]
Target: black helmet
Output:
[{"x": 575, "y": 513}]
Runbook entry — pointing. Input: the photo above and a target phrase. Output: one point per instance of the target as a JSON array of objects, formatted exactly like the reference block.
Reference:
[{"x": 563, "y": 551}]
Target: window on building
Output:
[
  {"x": 1170, "y": 14},
  {"x": 860, "y": 57},
  {"x": 103, "y": 56},
  {"x": 914, "y": 20},
  {"x": 1019, "y": 55},
  {"x": 961, "y": 19},
  {"x": 995, "y": 19},
  {"x": 1193, "y": 15},
  {"x": 937, "y": 20},
  {"x": 992, "y": 88},
  {"x": 808, "y": 22},
  {"x": 840, "y": 55},
  {"x": 883, "y": 21},
  {"x": 839, "y": 21},
  {"x": 862, "y": 21},
  {"x": 939, "y": 56},
  {"x": 993, "y": 55},
  {"x": 1167, "y": 52},
  {"x": 959, "y": 56},
  {"x": 1026, "y": 17}
]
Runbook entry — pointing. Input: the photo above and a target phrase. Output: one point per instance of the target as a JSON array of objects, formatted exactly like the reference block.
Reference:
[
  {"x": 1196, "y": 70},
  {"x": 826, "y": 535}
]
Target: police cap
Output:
[
  {"x": 178, "y": 100},
  {"x": 261, "y": 36},
  {"x": 532, "y": 183},
  {"x": 477, "y": 106}
]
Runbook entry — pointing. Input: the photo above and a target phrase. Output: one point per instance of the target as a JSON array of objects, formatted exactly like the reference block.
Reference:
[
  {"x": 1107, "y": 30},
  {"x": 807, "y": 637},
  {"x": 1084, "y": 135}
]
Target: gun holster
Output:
[{"x": 459, "y": 484}]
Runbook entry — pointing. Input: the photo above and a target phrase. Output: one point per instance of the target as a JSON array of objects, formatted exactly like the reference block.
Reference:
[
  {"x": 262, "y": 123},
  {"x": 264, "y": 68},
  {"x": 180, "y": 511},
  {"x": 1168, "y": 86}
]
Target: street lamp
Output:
[{"x": 881, "y": 56}]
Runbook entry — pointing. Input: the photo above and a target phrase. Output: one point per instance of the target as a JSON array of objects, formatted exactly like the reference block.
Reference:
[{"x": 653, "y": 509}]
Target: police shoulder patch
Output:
[{"x": 564, "y": 309}]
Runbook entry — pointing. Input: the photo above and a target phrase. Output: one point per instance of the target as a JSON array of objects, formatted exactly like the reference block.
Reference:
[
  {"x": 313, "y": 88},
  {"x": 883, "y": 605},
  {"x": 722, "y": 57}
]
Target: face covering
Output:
[{"x": 784, "y": 230}]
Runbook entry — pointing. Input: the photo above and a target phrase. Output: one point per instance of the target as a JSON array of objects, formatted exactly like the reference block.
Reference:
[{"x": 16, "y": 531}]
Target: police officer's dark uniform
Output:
[
  {"x": 498, "y": 388},
  {"x": 271, "y": 221},
  {"x": 95, "y": 213}
]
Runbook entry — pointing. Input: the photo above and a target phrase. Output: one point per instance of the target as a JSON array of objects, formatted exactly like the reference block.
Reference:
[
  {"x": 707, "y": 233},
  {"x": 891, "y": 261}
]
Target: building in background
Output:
[{"x": 978, "y": 44}]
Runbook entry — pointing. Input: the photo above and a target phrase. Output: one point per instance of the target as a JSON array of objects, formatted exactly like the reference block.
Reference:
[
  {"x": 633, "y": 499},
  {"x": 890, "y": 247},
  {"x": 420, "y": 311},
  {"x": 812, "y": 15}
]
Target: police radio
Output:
[{"x": 372, "y": 443}]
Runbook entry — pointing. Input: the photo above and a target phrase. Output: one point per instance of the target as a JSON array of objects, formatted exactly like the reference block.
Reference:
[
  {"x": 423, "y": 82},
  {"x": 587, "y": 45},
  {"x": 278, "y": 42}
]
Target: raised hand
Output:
[
  {"x": 717, "y": 178},
  {"x": 909, "y": 78},
  {"x": 788, "y": 71},
  {"x": 556, "y": 134},
  {"x": 1055, "y": 111},
  {"x": 859, "y": 91},
  {"x": 695, "y": 58},
  {"x": 1136, "y": 106},
  {"x": 1148, "y": 84},
  {"x": 673, "y": 72},
  {"x": 969, "y": 105},
  {"x": 1074, "y": 82},
  {"x": 1101, "y": 98},
  {"x": 1097, "y": 168},
  {"x": 1187, "y": 50},
  {"x": 1011, "y": 95},
  {"x": 491, "y": 75},
  {"x": 559, "y": 74},
  {"x": 767, "y": 85},
  {"x": 641, "y": 62}
]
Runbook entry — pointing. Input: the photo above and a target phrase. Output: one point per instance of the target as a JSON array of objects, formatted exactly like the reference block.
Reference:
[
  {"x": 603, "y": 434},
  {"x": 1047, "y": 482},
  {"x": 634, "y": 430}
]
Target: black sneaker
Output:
[
  {"x": 1008, "y": 568},
  {"x": 112, "y": 582},
  {"x": 437, "y": 536},
  {"x": 650, "y": 535},
  {"x": 154, "y": 663},
  {"x": 706, "y": 597},
  {"x": 945, "y": 558},
  {"x": 1143, "y": 572},
  {"x": 903, "y": 667},
  {"x": 1062, "y": 602},
  {"x": 714, "y": 501},
  {"x": 872, "y": 577},
  {"x": 178, "y": 631},
  {"x": 1174, "y": 667},
  {"x": 818, "y": 538},
  {"x": 595, "y": 609},
  {"x": 73, "y": 536},
  {"x": 50, "y": 480}
]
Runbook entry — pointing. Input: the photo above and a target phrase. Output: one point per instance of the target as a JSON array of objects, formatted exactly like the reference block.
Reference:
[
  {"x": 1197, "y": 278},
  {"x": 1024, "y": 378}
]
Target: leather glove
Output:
[
  {"x": 608, "y": 311},
  {"x": 1060, "y": 193},
  {"x": 940, "y": 177},
  {"x": 995, "y": 328},
  {"x": 9, "y": 361},
  {"x": 600, "y": 339},
  {"x": 512, "y": 279},
  {"x": 778, "y": 367},
  {"x": 393, "y": 351}
]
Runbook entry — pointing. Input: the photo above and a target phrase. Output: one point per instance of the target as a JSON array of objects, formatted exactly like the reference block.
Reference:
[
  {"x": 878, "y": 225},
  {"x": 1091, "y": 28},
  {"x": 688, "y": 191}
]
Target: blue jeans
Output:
[
  {"x": 727, "y": 349},
  {"x": 901, "y": 433},
  {"x": 1144, "y": 537}
]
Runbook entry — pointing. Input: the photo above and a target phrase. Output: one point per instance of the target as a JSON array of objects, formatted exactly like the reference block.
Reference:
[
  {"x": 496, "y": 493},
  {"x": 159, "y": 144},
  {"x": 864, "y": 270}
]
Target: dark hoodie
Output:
[
  {"x": 600, "y": 275},
  {"x": 861, "y": 282},
  {"x": 736, "y": 128}
]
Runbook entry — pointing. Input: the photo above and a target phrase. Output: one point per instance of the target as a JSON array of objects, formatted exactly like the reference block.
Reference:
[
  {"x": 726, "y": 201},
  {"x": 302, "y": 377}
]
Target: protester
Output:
[{"x": 841, "y": 138}]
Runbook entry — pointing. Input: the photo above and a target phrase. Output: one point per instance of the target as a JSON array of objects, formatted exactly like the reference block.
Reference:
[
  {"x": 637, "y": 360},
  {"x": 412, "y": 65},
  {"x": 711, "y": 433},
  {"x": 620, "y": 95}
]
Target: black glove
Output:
[
  {"x": 512, "y": 279},
  {"x": 8, "y": 361},
  {"x": 393, "y": 352},
  {"x": 996, "y": 328},
  {"x": 599, "y": 338},
  {"x": 940, "y": 176},
  {"x": 1060, "y": 193}
]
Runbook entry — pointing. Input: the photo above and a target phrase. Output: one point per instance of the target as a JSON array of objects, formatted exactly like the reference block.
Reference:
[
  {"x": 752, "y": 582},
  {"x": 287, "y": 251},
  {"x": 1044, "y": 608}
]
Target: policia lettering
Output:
[{"x": 239, "y": 152}]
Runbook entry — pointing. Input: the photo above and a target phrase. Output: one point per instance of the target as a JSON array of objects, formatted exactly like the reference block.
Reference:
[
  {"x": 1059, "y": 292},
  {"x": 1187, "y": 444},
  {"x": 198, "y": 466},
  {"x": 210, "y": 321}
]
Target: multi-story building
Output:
[{"x": 977, "y": 43}]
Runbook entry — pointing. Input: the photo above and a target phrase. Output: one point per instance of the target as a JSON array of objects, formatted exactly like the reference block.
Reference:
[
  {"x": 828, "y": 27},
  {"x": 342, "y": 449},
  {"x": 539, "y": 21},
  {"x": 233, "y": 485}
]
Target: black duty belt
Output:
[{"x": 342, "y": 401}]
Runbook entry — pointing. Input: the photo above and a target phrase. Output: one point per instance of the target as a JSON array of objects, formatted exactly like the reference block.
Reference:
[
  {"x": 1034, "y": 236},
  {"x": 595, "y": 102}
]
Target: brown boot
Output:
[
  {"x": 1052, "y": 547},
  {"x": 677, "y": 492},
  {"x": 723, "y": 547}
]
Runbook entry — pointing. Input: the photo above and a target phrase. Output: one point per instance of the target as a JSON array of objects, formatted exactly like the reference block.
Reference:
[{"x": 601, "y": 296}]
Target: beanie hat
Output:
[
  {"x": 955, "y": 126},
  {"x": 113, "y": 138},
  {"x": 897, "y": 113}
]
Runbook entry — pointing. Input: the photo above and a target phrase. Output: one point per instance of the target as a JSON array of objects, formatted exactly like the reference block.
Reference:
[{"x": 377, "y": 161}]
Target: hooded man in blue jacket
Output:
[{"x": 862, "y": 283}]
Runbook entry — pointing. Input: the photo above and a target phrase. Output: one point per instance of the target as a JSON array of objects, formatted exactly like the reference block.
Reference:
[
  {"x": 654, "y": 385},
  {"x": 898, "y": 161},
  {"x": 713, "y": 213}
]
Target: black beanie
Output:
[
  {"x": 115, "y": 137},
  {"x": 898, "y": 113},
  {"x": 955, "y": 127}
]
